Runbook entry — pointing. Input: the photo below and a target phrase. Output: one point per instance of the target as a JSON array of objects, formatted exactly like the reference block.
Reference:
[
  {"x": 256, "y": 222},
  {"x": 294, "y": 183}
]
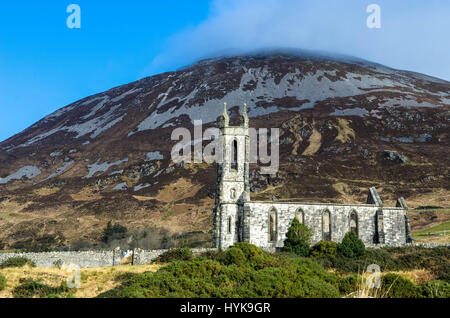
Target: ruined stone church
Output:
[{"x": 265, "y": 223}]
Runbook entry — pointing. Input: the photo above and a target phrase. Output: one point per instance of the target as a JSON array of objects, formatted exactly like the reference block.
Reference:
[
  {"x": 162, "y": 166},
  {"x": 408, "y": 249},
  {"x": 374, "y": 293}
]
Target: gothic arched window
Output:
[
  {"x": 354, "y": 222},
  {"x": 300, "y": 215},
  {"x": 326, "y": 226},
  {"x": 273, "y": 225},
  {"x": 234, "y": 154}
]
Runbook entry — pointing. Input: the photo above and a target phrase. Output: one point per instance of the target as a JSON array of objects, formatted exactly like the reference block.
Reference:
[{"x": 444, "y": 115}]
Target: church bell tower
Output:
[{"x": 233, "y": 187}]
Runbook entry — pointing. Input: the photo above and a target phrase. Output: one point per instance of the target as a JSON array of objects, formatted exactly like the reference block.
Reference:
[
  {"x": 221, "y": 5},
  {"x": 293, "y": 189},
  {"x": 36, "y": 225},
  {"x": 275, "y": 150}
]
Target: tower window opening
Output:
[
  {"x": 234, "y": 155},
  {"x": 229, "y": 225}
]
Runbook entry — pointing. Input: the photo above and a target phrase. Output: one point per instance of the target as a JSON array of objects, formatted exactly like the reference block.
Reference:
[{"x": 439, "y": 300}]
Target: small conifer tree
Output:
[
  {"x": 298, "y": 239},
  {"x": 352, "y": 246}
]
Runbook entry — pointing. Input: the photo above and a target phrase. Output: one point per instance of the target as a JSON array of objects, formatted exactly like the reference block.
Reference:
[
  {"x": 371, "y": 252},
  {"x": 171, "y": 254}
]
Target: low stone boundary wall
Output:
[
  {"x": 426, "y": 245},
  {"x": 431, "y": 245},
  {"x": 93, "y": 258},
  {"x": 116, "y": 257},
  {"x": 82, "y": 259}
]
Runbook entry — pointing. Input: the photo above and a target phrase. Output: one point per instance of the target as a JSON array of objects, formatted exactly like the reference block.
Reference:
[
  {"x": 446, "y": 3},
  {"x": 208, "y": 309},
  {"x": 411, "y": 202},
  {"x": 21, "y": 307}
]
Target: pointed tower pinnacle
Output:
[
  {"x": 224, "y": 119},
  {"x": 244, "y": 117}
]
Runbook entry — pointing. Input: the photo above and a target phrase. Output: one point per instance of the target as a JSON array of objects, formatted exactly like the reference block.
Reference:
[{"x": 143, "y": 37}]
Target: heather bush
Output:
[
  {"x": 434, "y": 289},
  {"x": 245, "y": 271},
  {"x": 29, "y": 288},
  {"x": 175, "y": 254},
  {"x": 395, "y": 286},
  {"x": 2, "y": 282},
  {"x": 234, "y": 255},
  {"x": 324, "y": 248},
  {"x": 242, "y": 271},
  {"x": 348, "y": 284},
  {"x": 17, "y": 262}
]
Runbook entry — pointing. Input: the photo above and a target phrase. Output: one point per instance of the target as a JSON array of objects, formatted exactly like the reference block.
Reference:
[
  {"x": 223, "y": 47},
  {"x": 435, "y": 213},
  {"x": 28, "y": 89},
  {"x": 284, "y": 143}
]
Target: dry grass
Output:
[
  {"x": 86, "y": 194},
  {"x": 94, "y": 281},
  {"x": 345, "y": 133},
  {"x": 182, "y": 189},
  {"x": 12, "y": 207},
  {"x": 46, "y": 191},
  {"x": 315, "y": 141},
  {"x": 345, "y": 190},
  {"x": 438, "y": 197},
  {"x": 416, "y": 276},
  {"x": 142, "y": 198}
]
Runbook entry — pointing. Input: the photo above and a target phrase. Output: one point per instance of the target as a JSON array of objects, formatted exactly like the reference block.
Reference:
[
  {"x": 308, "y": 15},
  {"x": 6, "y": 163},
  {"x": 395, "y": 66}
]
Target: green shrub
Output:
[
  {"x": 348, "y": 284},
  {"x": 324, "y": 248},
  {"x": 29, "y": 288},
  {"x": 250, "y": 251},
  {"x": 216, "y": 255},
  {"x": 298, "y": 238},
  {"x": 242, "y": 271},
  {"x": 394, "y": 259},
  {"x": 17, "y": 262},
  {"x": 254, "y": 256},
  {"x": 395, "y": 286},
  {"x": 435, "y": 289},
  {"x": 351, "y": 246},
  {"x": 2, "y": 282},
  {"x": 309, "y": 268},
  {"x": 175, "y": 254},
  {"x": 234, "y": 255}
]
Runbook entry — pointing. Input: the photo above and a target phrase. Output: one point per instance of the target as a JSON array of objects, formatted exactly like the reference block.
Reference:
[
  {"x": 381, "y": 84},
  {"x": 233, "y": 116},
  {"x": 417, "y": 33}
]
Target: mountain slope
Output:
[{"x": 107, "y": 156}]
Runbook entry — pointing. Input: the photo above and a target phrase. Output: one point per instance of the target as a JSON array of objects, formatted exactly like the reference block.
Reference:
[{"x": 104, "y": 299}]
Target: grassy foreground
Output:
[
  {"x": 246, "y": 271},
  {"x": 93, "y": 280}
]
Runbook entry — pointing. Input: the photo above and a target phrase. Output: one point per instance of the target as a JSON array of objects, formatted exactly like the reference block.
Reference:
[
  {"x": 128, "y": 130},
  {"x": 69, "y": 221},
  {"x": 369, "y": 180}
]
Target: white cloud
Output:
[{"x": 412, "y": 35}]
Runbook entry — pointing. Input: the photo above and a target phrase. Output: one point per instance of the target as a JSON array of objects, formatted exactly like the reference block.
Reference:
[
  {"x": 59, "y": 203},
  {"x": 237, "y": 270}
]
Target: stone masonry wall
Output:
[
  {"x": 82, "y": 259},
  {"x": 91, "y": 258},
  {"x": 257, "y": 221}
]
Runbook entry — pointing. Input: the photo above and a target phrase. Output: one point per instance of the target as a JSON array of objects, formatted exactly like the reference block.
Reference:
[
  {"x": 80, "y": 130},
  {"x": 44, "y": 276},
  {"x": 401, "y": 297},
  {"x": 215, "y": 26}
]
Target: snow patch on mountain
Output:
[
  {"x": 116, "y": 172},
  {"x": 104, "y": 128},
  {"x": 56, "y": 153},
  {"x": 141, "y": 186},
  {"x": 97, "y": 107},
  {"x": 312, "y": 86},
  {"x": 155, "y": 155},
  {"x": 123, "y": 95},
  {"x": 96, "y": 126},
  {"x": 102, "y": 167},
  {"x": 27, "y": 171},
  {"x": 121, "y": 186},
  {"x": 361, "y": 112},
  {"x": 58, "y": 171}
]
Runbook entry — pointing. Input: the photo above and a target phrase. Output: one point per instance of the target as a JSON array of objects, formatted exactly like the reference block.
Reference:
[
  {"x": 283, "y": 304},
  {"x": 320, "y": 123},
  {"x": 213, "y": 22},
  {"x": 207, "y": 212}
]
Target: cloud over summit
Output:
[{"x": 412, "y": 35}]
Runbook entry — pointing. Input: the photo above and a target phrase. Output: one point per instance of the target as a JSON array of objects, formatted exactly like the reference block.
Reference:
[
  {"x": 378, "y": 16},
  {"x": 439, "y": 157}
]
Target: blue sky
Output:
[{"x": 44, "y": 65}]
